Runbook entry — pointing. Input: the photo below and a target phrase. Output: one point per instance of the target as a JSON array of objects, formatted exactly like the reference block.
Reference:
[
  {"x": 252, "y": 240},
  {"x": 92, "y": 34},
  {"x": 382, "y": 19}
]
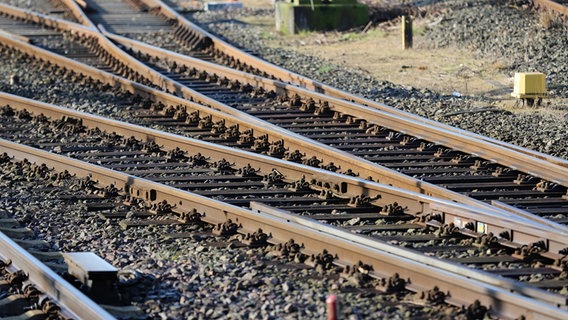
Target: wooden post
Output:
[{"x": 406, "y": 32}]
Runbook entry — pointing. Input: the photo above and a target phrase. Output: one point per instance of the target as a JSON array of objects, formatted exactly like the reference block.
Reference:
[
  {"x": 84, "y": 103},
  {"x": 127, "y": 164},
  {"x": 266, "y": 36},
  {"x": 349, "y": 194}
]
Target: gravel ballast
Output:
[
  {"x": 192, "y": 277},
  {"x": 203, "y": 282},
  {"x": 541, "y": 131}
]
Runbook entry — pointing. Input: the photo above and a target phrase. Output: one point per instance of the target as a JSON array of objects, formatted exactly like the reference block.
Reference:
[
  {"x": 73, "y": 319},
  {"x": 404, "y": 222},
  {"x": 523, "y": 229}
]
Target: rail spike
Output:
[
  {"x": 288, "y": 249},
  {"x": 226, "y": 229},
  {"x": 362, "y": 200},
  {"x": 300, "y": 185},
  {"x": 530, "y": 252},
  {"x": 277, "y": 149},
  {"x": 294, "y": 156},
  {"x": 393, "y": 209},
  {"x": 322, "y": 261},
  {"x": 312, "y": 162},
  {"x": 275, "y": 177},
  {"x": 449, "y": 230},
  {"x": 476, "y": 311},
  {"x": 358, "y": 274},
  {"x": 192, "y": 217},
  {"x": 433, "y": 296},
  {"x": 256, "y": 239},
  {"x": 247, "y": 171},
  {"x": 394, "y": 284},
  {"x": 485, "y": 240},
  {"x": 162, "y": 207},
  {"x": 223, "y": 166}
]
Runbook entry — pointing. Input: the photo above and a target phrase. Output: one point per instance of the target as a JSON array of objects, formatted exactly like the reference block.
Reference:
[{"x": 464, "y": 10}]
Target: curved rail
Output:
[
  {"x": 511, "y": 156},
  {"x": 341, "y": 158},
  {"x": 516, "y": 160},
  {"x": 438, "y": 213},
  {"x": 66, "y": 295},
  {"x": 347, "y": 162},
  {"x": 310, "y": 84},
  {"x": 418, "y": 204},
  {"x": 500, "y": 152},
  {"x": 351, "y": 249},
  {"x": 362, "y": 167}
]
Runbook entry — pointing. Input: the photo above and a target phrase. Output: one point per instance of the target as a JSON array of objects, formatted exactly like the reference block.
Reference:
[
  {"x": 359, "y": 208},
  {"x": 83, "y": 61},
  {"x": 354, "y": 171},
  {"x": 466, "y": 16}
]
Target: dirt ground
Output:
[{"x": 379, "y": 52}]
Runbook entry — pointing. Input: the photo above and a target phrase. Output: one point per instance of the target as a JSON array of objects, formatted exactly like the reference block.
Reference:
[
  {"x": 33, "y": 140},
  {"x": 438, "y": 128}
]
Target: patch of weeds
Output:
[
  {"x": 265, "y": 35},
  {"x": 351, "y": 36},
  {"x": 326, "y": 68},
  {"x": 419, "y": 30},
  {"x": 377, "y": 32},
  {"x": 304, "y": 33}
]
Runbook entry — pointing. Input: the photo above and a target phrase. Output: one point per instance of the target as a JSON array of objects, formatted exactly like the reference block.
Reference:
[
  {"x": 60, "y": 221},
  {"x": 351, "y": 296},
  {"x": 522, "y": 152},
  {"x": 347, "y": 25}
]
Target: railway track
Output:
[
  {"x": 189, "y": 39},
  {"x": 396, "y": 150},
  {"x": 273, "y": 186},
  {"x": 535, "y": 253},
  {"x": 75, "y": 206},
  {"x": 393, "y": 268},
  {"x": 29, "y": 289}
]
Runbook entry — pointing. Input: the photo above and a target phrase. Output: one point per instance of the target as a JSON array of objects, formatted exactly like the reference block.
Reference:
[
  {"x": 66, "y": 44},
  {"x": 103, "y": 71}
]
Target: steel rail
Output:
[
  {"x": 75, "y": 6},
  {"x": 416, "y": 202},
  {"x": 302, "y": 146},
  {"x": 293, "y": 141},
  {"x": 342, "y": 159},
  {"x": 398, "y": 251},
  {"x": 49, "y": 282},
  {"x": 349, "y": 249},
  {"x": 310, "y": 84},
  {"x": 515, "y": 160},
  {"x": 446, "y": 195},
  {"x": 514, "y": 157},
  {"x": 296, "y": 79},
  {"x": 40, "y": 18},
  {"x": 528, "y": 231},
  {"x": 522, "y": 232}
]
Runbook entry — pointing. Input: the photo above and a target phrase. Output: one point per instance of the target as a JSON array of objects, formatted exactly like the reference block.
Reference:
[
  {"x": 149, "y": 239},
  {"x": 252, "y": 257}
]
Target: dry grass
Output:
[{"x": 500, "y": 65}]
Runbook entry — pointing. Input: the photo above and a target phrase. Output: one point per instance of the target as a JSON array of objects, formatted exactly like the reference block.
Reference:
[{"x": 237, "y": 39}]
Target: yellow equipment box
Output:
[{"x": 529, "y": 85}]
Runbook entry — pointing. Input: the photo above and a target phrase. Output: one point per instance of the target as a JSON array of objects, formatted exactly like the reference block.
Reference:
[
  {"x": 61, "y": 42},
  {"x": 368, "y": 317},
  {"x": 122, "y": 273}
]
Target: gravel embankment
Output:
[
  {"x": 530, "y": 41},
  {"x": 489, "y": 27}
]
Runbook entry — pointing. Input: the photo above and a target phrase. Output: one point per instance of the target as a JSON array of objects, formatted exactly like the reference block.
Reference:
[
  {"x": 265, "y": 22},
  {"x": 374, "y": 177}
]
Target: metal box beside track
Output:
[
  {"x": 529, "y": 85},
  {"x": 293, "y": 16}
]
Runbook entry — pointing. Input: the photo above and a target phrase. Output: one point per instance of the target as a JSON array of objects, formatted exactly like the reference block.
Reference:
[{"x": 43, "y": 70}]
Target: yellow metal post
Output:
[{"x": 406, "y": 32}]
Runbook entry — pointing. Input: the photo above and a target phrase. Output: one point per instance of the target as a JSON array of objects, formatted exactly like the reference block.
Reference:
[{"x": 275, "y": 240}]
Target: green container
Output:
[{"x": 301, "y": 15}]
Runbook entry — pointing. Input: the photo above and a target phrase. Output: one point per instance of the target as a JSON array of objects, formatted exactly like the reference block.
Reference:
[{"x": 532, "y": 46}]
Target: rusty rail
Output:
[
  {"x": 310, "y": 84},
  {"x": 293, "y": 141},
  {"x": 522, "y": 232},
  {"x": 350, "y": 248},
  {"x": 342, "y": 158},
  {"x": 516, "y": 160},
  {"x": 546, "y": 167},
  {"x": 529, "y": 231}
]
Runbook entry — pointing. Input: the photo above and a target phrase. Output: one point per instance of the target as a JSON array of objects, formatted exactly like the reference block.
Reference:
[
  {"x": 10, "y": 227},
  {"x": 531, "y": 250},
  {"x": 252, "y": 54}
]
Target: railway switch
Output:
[{"x": 530, "y": 87}]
